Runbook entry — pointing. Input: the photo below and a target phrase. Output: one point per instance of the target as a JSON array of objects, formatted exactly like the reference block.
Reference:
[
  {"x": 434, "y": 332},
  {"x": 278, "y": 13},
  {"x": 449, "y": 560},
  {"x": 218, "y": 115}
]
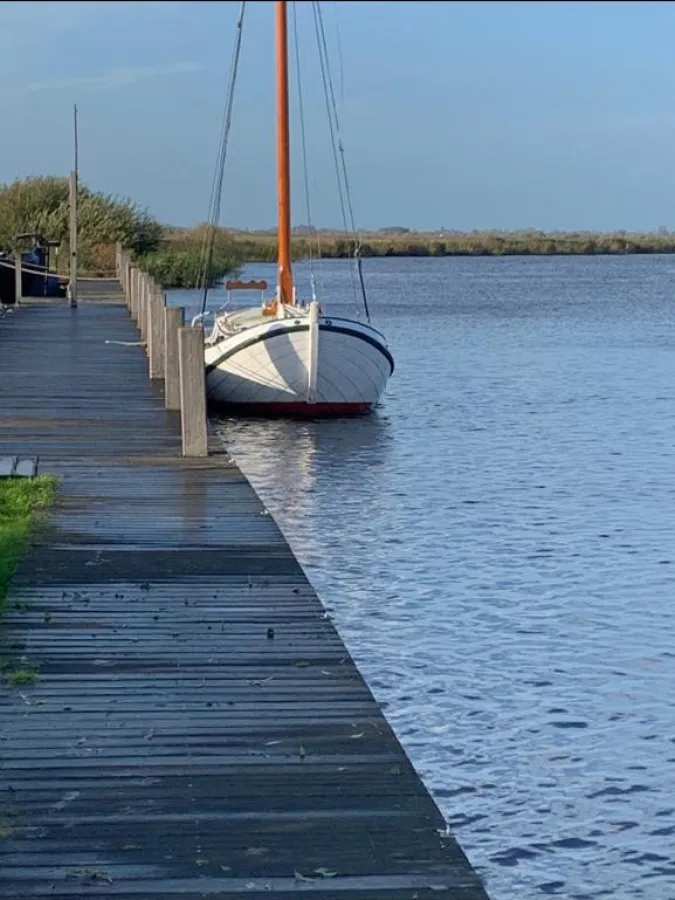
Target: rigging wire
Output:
[
  {"x": 341, "y": 68},
  {"x": 338, "y": 147},
  {"x": 304, "y": 152},
  {"x": 333, "y": 142},
  {"x": 331, "y": 126},
  {"x": 217, "y": 186}
]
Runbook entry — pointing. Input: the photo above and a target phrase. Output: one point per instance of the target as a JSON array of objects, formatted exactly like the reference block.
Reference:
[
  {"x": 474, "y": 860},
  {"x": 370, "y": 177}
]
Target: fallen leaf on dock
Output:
[
  {"x": 325, "y": 873},
  {"x": 300, "y": 877}
]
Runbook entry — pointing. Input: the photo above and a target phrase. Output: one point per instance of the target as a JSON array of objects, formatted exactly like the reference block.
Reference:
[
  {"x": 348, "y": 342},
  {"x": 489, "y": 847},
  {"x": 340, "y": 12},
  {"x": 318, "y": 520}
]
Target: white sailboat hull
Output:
[{"x": 311, "y": 365}]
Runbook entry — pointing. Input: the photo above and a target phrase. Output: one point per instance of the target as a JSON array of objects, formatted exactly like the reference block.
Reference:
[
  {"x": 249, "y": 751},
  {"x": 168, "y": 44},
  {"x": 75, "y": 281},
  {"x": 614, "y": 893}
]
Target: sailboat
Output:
[{"x": 286, "y": 356}]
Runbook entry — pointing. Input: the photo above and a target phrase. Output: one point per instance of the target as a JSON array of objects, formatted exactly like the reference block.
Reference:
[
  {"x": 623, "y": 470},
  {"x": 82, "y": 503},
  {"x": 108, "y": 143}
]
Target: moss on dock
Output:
[{"x": 23, "y": 503}]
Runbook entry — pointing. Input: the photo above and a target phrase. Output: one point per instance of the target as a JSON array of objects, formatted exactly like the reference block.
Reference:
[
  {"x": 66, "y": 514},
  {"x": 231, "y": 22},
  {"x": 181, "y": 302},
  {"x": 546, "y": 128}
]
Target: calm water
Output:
[{"x": 497, "y": 544}]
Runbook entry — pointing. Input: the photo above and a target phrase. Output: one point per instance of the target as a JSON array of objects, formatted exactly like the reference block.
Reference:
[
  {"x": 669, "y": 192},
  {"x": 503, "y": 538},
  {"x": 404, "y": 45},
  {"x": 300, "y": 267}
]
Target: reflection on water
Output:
[
  {"x": 496, "y": 543},
  {"x": 301, "y": 463}
]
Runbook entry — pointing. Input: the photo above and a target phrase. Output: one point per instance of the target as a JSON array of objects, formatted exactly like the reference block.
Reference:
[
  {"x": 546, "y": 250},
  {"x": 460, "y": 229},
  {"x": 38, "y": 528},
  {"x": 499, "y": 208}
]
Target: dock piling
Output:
[
  {"x": 175, "y": 354},
  {"x": 192, "y": 391},
  {"x": 124, "y": 272},
  {"x": 143, "y": 306},
  {"x": 156, "y": 332},
  {"x": 72, "y": 194},
  {"x": 174, "y": 319},
  {"x": 133, "y": 293},
  {"x": 17, "y": 277}
]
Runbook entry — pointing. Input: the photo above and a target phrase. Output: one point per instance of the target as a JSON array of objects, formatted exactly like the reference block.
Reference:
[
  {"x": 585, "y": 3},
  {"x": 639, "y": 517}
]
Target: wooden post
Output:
[
  {"x": 174, "y": 319},
  {"x": 17, "y": 277},
  {"x": 133, "y": 293},
  {"x": 139, "y": 296},
  {"x": 142, "y": 305},
  {"x": 156, "y": 333},
  {"x": 127, "y": 281},
  {"x": 147, "y": 293},
  {"x": 72, "y": 287},
  {"x": 126, "y": 268},
  {"x": 192, "y": 391}
]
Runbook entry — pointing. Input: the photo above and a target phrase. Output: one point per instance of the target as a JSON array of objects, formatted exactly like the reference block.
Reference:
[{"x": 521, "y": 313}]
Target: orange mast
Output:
[{"x": 285, "y": 275}]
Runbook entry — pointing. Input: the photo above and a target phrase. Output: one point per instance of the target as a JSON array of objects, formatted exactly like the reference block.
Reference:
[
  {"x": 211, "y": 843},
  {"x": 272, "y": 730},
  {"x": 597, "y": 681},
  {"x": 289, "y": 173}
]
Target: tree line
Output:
[{"x": 174, "y": 255}]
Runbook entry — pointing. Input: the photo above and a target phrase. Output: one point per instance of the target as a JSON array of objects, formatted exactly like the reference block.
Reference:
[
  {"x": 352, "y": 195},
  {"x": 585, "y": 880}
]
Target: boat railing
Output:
[
  {"x": 209, "y": 313},
  {"x": 200, "y": 317}
]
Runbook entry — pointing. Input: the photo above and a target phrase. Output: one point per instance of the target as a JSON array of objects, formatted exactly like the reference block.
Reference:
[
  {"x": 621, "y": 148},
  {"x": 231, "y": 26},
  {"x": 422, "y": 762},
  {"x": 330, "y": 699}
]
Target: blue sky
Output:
[{"x": 553, "y": 115}]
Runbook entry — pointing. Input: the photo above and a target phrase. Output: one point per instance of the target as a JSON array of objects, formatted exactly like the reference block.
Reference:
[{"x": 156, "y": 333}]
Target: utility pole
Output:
[{"x": 72, "y": 287}]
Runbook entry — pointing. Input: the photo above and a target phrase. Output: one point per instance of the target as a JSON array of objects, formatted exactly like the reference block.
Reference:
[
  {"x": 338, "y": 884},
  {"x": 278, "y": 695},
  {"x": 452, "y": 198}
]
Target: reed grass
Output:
[{"x": 23, "y": 505}]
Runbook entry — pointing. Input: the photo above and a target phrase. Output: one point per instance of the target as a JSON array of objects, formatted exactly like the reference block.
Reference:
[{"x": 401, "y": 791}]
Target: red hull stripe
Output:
[{"x": 298, "y": 408}]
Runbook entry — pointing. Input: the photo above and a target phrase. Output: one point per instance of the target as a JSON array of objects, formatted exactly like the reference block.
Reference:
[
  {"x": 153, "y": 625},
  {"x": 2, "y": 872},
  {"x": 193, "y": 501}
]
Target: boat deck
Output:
[{"x": 198, "y": 728}]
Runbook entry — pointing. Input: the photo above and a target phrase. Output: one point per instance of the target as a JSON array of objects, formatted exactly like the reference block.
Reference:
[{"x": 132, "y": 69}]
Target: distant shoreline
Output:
[
  {"x": 178, "y": 260},
  {"x": 261, "y": 246}
]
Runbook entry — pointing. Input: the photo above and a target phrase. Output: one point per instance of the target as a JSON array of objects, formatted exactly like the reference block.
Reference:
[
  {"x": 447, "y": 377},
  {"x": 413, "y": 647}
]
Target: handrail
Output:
[
  {"x": 36, "y": 269},
  {"x": 33, "y": 269}
]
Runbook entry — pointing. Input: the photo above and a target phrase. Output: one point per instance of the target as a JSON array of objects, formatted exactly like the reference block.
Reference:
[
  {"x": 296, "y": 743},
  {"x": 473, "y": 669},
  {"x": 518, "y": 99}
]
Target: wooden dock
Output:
[{"x": 198, "y": 728}]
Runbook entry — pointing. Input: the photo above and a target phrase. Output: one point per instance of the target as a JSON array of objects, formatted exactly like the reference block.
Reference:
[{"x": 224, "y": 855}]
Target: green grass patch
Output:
[
  {"x": 23, "y": 503},
  {"x": 22, "y": 676}
]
